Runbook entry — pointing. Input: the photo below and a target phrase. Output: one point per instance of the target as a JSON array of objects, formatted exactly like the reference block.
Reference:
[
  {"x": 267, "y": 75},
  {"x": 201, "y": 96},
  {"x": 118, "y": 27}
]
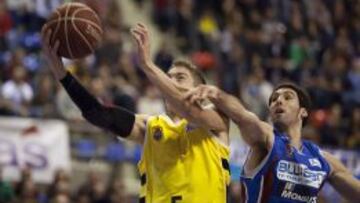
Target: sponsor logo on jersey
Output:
[
  {"x": 299, "y": 174},
  {"x": 315, "y": 162},
  {"x": 295, "y": 196},
  {"x": 289, "y": 186},
  {"x": 158, "y": 134}
]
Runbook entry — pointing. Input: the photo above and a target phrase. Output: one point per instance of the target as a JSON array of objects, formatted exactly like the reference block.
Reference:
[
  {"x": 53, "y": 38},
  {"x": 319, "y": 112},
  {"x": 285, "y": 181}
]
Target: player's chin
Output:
[{"x": 279, "y": 121}]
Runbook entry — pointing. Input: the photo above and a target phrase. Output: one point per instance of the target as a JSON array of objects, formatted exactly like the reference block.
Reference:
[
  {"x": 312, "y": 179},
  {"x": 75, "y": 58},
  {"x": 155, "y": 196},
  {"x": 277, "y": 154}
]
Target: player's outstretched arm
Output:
[
  {"x": 255, "y": 132},
  {"x": 342, "y": 180},
  {"x": 210, "y": 119},
  {"x": 115, "y": 119}
]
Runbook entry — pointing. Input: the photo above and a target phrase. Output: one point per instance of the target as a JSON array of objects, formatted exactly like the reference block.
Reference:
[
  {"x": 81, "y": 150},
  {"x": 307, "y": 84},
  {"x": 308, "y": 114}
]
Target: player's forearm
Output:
[
  {"x": 59, "y": 73},
  {"x": 342, "y": 179},
  {"x": 78, "y": 94},
  {"x": 348, "y": 186},
  {"x": 115, "y": 119},
  {"x": 165, "y": 85},
  {"x": 231, "y": 106}
]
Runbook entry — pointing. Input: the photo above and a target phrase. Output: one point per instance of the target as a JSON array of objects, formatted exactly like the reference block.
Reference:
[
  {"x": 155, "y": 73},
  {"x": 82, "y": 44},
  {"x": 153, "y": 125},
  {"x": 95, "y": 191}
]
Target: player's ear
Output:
[{"x": 303, "y": 113}]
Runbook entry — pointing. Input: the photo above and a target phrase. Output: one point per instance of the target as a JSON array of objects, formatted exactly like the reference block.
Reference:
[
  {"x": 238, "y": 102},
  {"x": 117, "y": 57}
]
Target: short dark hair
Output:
[
  {"x": 197, "y": 75},
  {"x": 304, "y": 98}
]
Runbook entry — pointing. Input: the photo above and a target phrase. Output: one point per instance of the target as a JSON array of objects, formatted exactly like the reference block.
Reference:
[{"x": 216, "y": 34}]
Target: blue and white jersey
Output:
[{"x": 286, "y": 174}]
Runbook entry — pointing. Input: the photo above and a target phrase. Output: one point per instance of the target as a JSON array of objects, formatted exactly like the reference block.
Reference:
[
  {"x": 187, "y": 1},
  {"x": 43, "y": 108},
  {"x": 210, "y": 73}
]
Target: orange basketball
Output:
[{"x": 77, "y": 27}]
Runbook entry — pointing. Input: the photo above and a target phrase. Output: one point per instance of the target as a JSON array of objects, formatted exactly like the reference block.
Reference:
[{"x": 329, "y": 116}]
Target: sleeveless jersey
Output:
[
  {"x": 286, "y": 174},
  {"x": 181, "y": 164}
]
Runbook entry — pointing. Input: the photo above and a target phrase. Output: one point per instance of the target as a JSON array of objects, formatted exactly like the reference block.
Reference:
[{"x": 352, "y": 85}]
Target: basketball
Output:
[{"x": 77, "y": 27}]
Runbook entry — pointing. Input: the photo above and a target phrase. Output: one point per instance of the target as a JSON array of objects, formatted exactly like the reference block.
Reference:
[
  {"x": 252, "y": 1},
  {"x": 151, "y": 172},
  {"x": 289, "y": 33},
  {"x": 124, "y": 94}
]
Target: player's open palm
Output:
[
  {"x": 51, "y": 56},
  {"x": 141, "y": 35}
]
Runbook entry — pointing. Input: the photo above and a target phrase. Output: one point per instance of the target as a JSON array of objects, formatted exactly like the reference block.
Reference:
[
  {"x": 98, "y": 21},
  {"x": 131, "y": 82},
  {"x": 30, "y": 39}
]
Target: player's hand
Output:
[
  {"x": 203, "y": 92},
  {"x": 51, "y": 56},
  {"x": 141, "y": 35}
]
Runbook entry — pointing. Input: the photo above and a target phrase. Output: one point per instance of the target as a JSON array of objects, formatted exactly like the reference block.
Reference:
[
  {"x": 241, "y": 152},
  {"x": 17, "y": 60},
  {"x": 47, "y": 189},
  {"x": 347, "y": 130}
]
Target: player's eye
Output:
[
  {"x": 180, "y": 78},
  {"x": 288, "y": 97},
  {"x": 274, "y": 98}
]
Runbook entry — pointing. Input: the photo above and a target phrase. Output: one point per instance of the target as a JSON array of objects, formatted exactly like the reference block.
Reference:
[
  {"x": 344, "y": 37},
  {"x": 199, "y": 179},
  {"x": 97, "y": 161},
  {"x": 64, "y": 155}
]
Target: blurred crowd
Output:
[
  {"x": 246, "y": 47},
  {"x": 93, "y": 190},
  {"x": 253, "y": 45}
]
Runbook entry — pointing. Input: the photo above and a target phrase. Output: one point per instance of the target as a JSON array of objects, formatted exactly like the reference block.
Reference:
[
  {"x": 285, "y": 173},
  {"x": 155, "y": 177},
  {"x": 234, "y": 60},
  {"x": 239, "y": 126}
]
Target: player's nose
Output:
[{"x": 279, "y": 101}]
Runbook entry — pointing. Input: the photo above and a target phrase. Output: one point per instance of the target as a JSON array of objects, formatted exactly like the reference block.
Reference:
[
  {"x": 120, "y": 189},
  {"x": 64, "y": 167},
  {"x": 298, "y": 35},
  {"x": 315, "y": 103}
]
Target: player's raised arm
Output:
[
  {"x": 210, "y": 119},
  {"x": 255, "y": 132},
  {"x": 342, "y": 180},
  {"x": 115, "y": 119}
]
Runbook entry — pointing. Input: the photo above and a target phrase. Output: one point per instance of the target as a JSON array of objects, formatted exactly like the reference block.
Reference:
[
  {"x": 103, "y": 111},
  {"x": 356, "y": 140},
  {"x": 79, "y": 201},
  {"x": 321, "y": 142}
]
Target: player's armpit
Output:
[
  {"x": 139, "y": 129},
  {"x": 342, "y": 180}
]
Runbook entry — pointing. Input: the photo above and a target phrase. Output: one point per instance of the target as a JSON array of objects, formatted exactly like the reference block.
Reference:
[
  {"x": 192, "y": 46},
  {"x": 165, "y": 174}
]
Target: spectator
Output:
[
  {"x": 256, "y": 93},
  {"x": 6, "y": 190},
  {"x": 150, "y": 103},
  {"x": 354, "y": 138},
  {"x": 60, "y": 185},
  {"x": 26, "y": 190},
  {"x": 6, "y": 25},
  {"x": 61, "y": 198},
  {"x": 18, "y": 91},
  {"x": 352, "y": 95},
  {"x": 43, "y": 105},
  {"x": 94, "y": 188},
  {"x": 163, "y": 57},
  {"x": 333, "y": 132},
  {"x": 66, "y": 108}
]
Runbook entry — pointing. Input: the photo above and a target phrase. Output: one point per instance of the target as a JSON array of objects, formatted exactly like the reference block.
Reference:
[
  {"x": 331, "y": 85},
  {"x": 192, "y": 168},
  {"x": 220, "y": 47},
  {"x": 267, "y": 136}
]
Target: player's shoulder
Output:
[
  {"x": 142, "y": 117},
  {"x": 162, "y": 119},
  {"x": 312, "y": 147}
]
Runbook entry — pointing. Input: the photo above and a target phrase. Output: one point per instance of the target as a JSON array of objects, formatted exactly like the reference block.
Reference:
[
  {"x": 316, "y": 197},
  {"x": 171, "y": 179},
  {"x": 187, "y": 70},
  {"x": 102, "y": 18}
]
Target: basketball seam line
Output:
[
  {"x": 85, "y": 20},
  {"x": 91, "y": 11},
  {"x": 75, "y": 18},
  {"x": 79, "y": 32},
  {"x": 66, "y": 34},
  {"x": 57, "y": 26}
]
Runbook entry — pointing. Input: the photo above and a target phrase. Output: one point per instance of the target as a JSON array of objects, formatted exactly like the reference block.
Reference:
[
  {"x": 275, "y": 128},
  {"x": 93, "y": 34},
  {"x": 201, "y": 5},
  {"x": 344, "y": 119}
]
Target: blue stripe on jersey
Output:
[{"x": 287, "y": 174}]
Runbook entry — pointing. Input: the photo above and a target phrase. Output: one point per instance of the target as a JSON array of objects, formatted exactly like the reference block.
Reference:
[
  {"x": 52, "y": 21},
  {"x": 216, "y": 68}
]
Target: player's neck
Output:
[
  {"x": 293, "y": 132},
  {"x": 174, "y": 117}
]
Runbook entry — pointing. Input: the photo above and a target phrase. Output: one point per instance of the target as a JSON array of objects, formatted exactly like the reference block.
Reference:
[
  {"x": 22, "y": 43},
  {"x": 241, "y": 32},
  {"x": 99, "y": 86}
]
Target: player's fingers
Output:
[
  {"x": 142, "y": 29},
  {"x": 133, "y": 32},
  {"x": 212, "y": 94},
  {"x": 45, "y": 40},
  {"x": 56, "y": 47},
  {"x": 47, "y": 37},
  {"x": 194, "y": 98},
  {"x": 136, "y": 36},
  {"x": 189, "y": 93},
  {"x": 142, "y": 26},
  {"x": 204, "y": 93},
  {"x": 42, "y": 34}
]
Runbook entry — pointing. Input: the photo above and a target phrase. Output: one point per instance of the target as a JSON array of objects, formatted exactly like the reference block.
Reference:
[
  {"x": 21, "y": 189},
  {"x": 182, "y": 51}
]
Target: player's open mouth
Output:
[{"x": 278, "y": 111}]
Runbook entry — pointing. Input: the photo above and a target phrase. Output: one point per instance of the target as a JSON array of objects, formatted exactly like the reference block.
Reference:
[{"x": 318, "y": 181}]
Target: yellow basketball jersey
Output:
[{"x": 182, "y": 165}]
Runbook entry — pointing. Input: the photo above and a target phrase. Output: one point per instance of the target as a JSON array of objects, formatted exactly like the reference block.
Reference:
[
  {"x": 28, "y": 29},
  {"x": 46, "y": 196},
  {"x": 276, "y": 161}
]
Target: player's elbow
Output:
[{"x": 116, "y": 120}]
